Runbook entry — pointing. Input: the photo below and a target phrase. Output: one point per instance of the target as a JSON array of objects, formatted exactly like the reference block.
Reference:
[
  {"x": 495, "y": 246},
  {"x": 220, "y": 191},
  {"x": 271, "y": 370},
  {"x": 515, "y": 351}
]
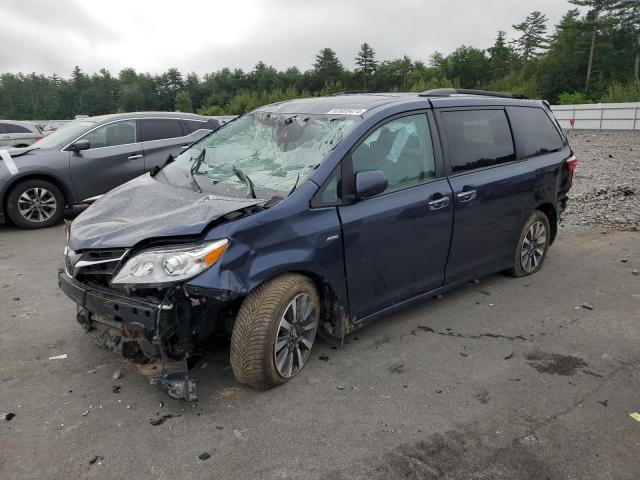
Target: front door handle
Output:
[
  {"x": 135, "y": 157},
  {"x": 439, "y": 202},
  {"x": 467, "y": 195},
  {"x": 184, "y": 147}
]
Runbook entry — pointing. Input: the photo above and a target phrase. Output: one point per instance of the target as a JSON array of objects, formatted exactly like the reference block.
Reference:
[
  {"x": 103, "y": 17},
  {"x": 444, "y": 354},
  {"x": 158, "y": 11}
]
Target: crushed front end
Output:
[{"x": 155, "y": 328}]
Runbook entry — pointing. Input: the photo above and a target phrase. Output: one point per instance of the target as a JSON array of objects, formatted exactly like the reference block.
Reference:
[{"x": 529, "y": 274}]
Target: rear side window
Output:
[
  {"x": 534, "y": 131},
  {"x": 12, "y": 128},
  {"x": 193, "y": 125},
  {"x": 160, "y": 128},
  {"x": 3, "y": 127},
  {"x": 478, "y": 138}
]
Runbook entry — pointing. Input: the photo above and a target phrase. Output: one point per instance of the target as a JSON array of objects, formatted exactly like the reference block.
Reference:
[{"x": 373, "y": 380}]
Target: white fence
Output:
[{"x": 600, "y": 116}]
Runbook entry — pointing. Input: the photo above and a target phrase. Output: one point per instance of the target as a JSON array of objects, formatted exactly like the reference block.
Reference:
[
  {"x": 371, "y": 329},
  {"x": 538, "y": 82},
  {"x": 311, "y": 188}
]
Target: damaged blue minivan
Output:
[{"x": 314, "y": 217}]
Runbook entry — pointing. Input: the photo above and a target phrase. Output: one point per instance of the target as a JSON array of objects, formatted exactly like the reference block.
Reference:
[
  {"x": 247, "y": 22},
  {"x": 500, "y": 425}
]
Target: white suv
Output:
[{"x": 18, "y": 134}]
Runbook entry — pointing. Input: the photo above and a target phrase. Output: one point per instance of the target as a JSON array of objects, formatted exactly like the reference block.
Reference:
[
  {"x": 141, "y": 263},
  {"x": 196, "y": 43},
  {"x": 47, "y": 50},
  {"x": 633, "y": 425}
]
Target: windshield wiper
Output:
[
  {"x": 194, "y": 169},
  {"x": 157, "y": 168},
  {"x": 295, "y": 185},
  {"x": 245, "y": 178}
]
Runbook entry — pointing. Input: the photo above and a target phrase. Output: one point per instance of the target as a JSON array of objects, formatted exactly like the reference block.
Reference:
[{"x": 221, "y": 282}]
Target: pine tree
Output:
[
  {"x": 533, "y": 39},
  {"x": 627, "y": 14},
  {"x": 367, "y": 63},
  {"x": 597, "y": 7},
  {"x": 327, "y": 66},
  {"x": 502, "y": 57}
]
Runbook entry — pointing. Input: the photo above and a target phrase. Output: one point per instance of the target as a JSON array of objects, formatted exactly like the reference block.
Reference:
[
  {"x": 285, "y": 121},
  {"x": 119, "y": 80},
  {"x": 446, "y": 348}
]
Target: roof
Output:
[
  {"x": 118, "y": 116},
  {"x": 361, "y": 103}
]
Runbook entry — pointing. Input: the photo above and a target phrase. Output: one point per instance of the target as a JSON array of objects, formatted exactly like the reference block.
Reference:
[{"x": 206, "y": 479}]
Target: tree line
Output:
[{"x": 593, "y": 56}]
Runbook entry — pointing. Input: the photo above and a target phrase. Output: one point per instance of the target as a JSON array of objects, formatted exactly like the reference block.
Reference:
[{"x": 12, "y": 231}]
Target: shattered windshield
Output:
[{"x": 263, "y": 153}]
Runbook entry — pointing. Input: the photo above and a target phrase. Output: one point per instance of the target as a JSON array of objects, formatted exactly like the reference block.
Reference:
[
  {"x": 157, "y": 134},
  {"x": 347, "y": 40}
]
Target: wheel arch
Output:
[
  {"x": 66, "y": 192},
  {"x": 334, "y": 316},
  {"x": 550, "y": 211}
]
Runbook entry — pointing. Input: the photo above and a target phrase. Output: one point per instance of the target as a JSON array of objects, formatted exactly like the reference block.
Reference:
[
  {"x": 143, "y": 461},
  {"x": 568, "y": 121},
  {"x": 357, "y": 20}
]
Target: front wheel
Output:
[
  {"x": 274, "y": 331},
  {"x": 35, "y": 204},
  {"x": 533, "y": 245}
]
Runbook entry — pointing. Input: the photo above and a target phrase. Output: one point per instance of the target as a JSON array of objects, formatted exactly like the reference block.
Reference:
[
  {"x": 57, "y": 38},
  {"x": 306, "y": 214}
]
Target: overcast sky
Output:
[{"x": 51, "y": 36}]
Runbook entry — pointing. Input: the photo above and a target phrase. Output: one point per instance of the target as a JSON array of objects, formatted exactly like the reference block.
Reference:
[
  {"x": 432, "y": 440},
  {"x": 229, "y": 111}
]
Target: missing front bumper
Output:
[{"x": 134, "y": 328}]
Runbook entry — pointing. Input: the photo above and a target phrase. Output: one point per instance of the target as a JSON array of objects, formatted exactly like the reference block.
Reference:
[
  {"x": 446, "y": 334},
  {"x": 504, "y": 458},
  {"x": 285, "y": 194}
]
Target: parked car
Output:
[
  {"x": 315, "y": 217},
  {"x": 17, "y": 134},
  {"x": 86, "y": 158}
]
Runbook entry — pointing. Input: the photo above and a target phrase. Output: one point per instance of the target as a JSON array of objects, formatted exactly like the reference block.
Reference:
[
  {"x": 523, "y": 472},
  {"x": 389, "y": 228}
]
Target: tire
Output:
[
  {"x": 257, "y": 349},
  {"x": 530, "y": 257},
  {"x": 46, "y": 212}
]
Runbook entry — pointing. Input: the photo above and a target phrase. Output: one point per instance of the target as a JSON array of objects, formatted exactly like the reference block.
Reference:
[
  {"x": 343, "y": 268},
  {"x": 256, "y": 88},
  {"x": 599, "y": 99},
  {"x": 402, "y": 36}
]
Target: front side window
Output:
[
  {"x": 112, "y": 134},
  {"x": 534, "y": 130},
  {"x": 401, "y": 149},
  {"x": 273, "y": 152},
  {"x": 160, "y": 128},
  {"x": 478, "y": 138}
]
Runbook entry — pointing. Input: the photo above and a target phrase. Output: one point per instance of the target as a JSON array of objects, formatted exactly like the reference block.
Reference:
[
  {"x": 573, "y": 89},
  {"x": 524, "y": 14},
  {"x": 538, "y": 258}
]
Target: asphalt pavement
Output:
[{"x": 530, "y": 378}]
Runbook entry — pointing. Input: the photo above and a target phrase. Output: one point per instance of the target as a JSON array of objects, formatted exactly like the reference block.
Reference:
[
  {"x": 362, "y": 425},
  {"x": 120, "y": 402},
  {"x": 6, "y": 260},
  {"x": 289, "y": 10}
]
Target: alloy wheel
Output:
[
  {"x": 37, "y": 204},
  {"x": 533, "y": 246},
  {"x": 296, "y": 333}
]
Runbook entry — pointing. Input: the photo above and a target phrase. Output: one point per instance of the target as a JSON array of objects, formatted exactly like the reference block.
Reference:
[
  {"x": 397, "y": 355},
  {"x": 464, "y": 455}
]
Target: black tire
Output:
[
  {"x": 529, "y": 258},
  {"x": 253, "y": 340},
  {"x": 52, "y": 216}
]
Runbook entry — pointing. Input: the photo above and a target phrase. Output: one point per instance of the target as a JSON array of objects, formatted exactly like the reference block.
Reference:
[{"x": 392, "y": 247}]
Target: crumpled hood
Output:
[{"x": 144, "y": 208}]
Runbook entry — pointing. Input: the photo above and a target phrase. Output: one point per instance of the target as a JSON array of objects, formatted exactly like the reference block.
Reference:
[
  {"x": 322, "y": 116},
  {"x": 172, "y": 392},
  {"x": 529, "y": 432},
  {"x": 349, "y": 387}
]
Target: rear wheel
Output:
[
  {"x": 533, "y": 245},
  {"x": 35, "y": 204},
  {"x": 274, "y": 331}
]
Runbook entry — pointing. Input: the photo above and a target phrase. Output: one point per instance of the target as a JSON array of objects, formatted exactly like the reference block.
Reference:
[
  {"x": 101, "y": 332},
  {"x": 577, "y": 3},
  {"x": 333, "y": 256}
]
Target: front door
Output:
[
  {"x": 115, "y": 156},
  {"x": 396, "y": 243}
]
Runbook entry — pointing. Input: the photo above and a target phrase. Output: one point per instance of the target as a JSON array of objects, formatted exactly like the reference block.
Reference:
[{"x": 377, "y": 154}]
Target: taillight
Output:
[
  {"x": 39, "y": 138},
  {"x": 572, "y": 163}
]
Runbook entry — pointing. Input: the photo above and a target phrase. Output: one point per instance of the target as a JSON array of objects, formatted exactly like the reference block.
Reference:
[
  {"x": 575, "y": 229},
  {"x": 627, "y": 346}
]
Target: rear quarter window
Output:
[
  {"x": 477, "y": 139},
  {"x": 160, "y": 128},
  {"x": 194, "y": 125},
  {"x": 13, "y": 128},
  {"x": 534, "y": 131}
]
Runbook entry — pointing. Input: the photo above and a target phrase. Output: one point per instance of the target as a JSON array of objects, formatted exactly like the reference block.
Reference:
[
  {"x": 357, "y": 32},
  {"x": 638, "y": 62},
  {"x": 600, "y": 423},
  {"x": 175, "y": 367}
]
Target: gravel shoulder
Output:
[{"x": 606, "y": 185}]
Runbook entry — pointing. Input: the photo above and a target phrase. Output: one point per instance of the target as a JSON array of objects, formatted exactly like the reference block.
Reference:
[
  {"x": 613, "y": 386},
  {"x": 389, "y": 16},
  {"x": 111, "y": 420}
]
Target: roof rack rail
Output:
[
  {"x": 353, "y": 92},
  {"x": 447, "y": 92}
]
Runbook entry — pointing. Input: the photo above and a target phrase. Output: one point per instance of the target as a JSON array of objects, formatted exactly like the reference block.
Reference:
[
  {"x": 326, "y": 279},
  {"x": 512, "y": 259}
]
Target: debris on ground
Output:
[
  {"x": 530, "y": 438},
  {"x": 58, "y": 357},
  {"x": 204, "y": 456},
  {"x": 96, "y": 459},
  {"x": 635, "y": 416},
  {"x": 587, "y": 306},
  {"x": 554, "y": 363},
  {"x": 9, "y": 416},
  {"x": 604, "y": 403},
  {"x": 115, "y": 388},
  {"x": 339, "y": 387},
  {"x": 118, "y": 374},
  {"x": 397, "y": 368},
  {"x": 160, "y": 420},
  {"x": 85, "y": 413},
  {"x": 635, "y": 272},
  {"x": 324, "y": 358}
]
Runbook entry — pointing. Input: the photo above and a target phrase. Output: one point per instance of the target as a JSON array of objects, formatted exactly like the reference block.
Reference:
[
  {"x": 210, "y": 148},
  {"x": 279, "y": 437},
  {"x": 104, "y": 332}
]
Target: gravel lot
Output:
[
  {"x": 606, "y": 187},
  {"x": 525, "y": 379}
]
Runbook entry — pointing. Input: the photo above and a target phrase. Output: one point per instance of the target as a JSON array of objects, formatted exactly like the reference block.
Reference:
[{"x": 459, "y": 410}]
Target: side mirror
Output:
[
  {"x": 370, "y": 183},
  {"x": 81, "y": 145}
]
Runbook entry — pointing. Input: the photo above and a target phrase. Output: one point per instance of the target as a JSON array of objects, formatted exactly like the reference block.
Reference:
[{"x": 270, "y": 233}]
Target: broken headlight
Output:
[{"x": 170, "y": 264}]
